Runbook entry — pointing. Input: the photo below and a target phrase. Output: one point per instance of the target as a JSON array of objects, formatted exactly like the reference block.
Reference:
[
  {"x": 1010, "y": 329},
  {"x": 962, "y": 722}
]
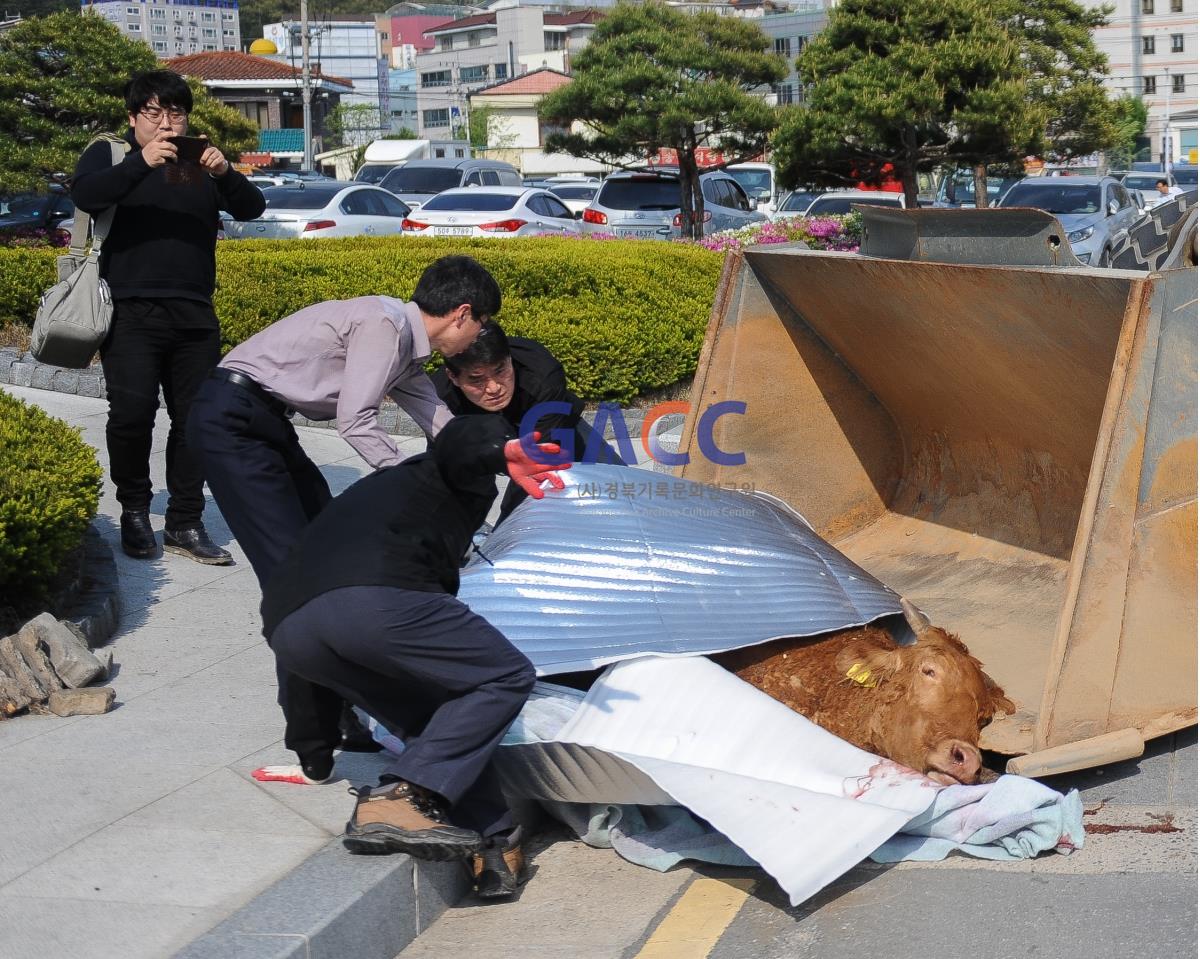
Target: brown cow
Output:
[{"x": 921, "y": 705}]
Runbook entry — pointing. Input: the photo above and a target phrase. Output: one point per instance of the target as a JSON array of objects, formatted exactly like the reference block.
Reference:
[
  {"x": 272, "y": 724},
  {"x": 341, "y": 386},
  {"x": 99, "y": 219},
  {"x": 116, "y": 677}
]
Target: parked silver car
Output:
[
  {"x": 959, "y": 190},
  {"x": 418, "y": 180},
  {"x": 1095, "y": 212},
  {"x": 322, "y": 208},
  {"x": 645, "y": 205},
  {"x": 496, "y": 211}
]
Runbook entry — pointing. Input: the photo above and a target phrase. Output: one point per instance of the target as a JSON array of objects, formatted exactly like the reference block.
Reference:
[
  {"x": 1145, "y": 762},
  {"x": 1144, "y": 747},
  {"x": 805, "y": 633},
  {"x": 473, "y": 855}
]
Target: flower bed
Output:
[{"x": 819, "y": 233}]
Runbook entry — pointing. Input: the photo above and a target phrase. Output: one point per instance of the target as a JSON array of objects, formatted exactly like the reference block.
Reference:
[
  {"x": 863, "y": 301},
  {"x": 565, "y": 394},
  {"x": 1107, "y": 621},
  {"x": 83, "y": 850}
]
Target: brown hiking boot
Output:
[
  {"x": 397, "y": 816},
  {"x": 499, "y": 867}
]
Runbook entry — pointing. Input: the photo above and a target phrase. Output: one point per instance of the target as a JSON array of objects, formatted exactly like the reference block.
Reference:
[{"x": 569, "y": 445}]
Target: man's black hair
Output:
[
  {"x": 1163, "y": 182},
  {"x": 454, "y": 280},
  {"x": 168, "y": 86},
  {"x": 489, "y": 349}
]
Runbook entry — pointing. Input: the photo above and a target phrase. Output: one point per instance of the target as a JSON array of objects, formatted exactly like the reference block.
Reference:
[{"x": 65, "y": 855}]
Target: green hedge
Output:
[
  {"x": 624, "y": 317},
  {"x": 49, "y": 490}
]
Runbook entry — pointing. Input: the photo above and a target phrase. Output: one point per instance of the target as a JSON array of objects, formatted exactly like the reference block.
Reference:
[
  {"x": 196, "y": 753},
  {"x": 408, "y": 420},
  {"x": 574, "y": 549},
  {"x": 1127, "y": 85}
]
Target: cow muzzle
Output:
[{"x": 954, "y": 761}]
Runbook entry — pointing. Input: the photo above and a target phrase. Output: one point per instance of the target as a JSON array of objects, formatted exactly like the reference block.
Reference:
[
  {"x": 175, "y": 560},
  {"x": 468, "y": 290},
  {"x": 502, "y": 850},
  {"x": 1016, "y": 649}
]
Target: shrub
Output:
[
  {"x": 25, "y": 273},
  {"x": 623, "y": 316},
  {"x": 31, "y": 236},
  {"x": 49, "y": 490}
]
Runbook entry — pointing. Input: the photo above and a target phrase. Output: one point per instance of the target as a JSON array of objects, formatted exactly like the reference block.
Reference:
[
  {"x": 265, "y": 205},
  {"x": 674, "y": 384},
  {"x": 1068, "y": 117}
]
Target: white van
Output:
[
  {"x": 758, "y": 181},
  {"x": 383, "y": 156}
]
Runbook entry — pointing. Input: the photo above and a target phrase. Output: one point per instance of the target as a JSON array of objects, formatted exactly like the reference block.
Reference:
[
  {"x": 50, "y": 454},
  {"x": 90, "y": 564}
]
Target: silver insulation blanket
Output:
[{"x": 626, "y": 562}]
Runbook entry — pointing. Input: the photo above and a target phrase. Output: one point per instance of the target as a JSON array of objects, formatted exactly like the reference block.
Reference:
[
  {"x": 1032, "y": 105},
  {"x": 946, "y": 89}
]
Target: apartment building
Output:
[
  {"x": 402, "y": 30},
  {"x": 1151, "y": 49},
  {"x": 789, "y": 32},
  {"x": 480, "y": 50},
  {"x": 342, "y": 46},
  {"x": 174, "y": 28}
]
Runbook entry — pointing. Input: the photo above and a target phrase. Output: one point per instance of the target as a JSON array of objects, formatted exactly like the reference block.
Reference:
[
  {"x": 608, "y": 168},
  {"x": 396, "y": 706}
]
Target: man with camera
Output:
[{"x": 159, "y": 261}]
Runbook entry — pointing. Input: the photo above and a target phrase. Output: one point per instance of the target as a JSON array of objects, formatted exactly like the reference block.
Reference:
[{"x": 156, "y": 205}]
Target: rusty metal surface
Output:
[
  {"x": 1011, "y": 447},
  {"x": 1012, "y": 236},
  {"x": 1125, "y": 660}
]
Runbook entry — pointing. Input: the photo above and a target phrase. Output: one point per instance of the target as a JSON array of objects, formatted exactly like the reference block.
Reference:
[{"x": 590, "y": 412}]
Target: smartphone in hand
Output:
[{"x": 190, "y": 148}]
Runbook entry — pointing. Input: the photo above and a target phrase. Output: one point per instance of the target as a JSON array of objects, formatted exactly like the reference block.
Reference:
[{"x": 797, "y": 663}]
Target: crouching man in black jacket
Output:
[{"x": 365, "y": 605}]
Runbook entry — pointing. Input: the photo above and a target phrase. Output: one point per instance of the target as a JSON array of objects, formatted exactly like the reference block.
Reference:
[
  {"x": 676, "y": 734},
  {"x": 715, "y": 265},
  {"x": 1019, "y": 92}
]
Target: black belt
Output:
[{"x": 252, "y": 387}]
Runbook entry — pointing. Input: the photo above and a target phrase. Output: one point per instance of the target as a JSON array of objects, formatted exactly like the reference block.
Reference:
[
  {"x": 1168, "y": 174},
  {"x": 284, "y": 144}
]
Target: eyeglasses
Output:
[{"x": 154, "y": 114}]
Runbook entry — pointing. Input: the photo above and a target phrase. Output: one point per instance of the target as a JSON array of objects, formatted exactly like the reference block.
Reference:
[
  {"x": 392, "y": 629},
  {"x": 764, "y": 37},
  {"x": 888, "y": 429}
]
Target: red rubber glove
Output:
[{"x": 529, "y": 473}]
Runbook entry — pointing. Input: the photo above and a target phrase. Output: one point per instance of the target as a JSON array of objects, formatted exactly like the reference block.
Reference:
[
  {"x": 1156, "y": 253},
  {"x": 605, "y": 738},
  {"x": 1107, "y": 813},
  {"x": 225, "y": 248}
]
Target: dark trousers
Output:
[
  {"x": 431, "y": 671},
  {"x": 153, "y": 343},
  {"x": 268, "y": 490}
]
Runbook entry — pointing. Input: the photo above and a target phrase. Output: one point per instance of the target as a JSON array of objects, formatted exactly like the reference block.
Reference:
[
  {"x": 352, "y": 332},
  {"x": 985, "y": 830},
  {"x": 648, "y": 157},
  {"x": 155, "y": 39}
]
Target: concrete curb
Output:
[
  {"x": 18, "y": 368},
  {"x": 334, "y": 906}
]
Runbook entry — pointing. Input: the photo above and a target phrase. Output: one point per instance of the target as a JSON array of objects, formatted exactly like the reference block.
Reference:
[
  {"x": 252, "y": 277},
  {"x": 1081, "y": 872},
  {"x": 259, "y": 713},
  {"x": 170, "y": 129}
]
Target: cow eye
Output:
[{"x": 929, "y": 671}]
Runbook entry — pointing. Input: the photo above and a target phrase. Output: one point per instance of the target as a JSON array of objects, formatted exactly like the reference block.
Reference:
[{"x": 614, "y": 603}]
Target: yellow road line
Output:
[{"x": 702, "y": 914}]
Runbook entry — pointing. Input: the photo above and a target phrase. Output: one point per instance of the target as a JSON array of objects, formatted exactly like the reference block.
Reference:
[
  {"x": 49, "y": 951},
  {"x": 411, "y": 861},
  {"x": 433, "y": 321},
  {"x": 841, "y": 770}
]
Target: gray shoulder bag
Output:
[{"x": 75, "y": 314}]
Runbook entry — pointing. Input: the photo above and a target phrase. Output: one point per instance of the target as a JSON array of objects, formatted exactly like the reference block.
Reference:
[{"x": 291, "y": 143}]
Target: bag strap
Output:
[{"x": 83, "y": 222}]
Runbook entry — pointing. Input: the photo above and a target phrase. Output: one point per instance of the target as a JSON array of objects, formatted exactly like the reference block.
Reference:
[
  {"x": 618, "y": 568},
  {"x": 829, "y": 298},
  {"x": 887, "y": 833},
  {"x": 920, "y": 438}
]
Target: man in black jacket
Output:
[
  {"x": 365, "y": 605},
  {"x": 512, "y": 376},
  {"x": 159, "y": 260}
]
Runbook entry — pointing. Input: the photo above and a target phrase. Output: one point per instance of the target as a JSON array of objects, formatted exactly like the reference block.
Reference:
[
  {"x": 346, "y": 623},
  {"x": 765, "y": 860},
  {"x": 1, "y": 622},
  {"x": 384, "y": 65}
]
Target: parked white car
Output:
[
  {"x": 492, "y": 212},
  {"x": 1143, "y": 185},
  {"x": 576, "y": 194},
  {"x": 322, "y": 208},
  {"x": 794, "y": 203},
  {"x": 843, "y": 201}
]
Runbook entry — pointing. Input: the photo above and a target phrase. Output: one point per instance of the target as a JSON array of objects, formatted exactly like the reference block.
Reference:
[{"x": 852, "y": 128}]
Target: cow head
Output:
[{"x": 932, "y": 697}]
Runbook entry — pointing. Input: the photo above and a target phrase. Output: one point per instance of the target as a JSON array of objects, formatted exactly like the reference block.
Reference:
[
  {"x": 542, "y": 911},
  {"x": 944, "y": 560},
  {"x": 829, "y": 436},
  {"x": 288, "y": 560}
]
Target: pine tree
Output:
[
  {"x": 653, "y": 77},
  {"x": 62, "y": 80}
]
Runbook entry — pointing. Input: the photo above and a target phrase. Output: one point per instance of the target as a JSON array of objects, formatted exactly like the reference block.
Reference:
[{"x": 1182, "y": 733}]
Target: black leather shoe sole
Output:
[
  {"x": 225, "y": 560},
  {"x": 432, "y": 845},
  {"x": 139, "y": 552},
  {"x": 496, "y": 884}
]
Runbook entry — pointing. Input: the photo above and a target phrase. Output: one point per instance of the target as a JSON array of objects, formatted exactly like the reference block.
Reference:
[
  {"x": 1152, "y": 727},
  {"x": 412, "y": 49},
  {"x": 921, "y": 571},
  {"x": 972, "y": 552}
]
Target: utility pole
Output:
[
  {"x": 306, "y": 87},
  {"x": 1168, "y": 146}
]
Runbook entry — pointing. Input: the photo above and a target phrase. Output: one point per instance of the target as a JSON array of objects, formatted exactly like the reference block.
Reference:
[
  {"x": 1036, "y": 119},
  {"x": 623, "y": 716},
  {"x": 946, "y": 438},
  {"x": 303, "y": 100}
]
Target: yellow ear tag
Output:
[{"x": 861, "y": 675}]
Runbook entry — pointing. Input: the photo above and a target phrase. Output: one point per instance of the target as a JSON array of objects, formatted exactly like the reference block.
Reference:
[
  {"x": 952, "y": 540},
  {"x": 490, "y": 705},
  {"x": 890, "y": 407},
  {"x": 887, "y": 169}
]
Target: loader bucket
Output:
[{"x": 1013, "y": 448}]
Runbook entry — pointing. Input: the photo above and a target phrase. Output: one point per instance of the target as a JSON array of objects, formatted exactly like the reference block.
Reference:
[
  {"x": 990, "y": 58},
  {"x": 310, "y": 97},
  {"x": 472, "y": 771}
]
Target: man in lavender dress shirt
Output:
[{"x": 335, "y": 360}]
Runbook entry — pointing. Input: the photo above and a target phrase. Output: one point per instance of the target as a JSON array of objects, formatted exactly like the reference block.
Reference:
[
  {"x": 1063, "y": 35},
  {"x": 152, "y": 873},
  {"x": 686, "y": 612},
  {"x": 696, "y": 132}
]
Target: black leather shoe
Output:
[
  {"x": 195, "y": 544},
  {"x": 499, "y": 867},
  {"x": 137, "y": 535},
  {"x": 356, "y": 738},
  {"x": 317, "y": 767}
]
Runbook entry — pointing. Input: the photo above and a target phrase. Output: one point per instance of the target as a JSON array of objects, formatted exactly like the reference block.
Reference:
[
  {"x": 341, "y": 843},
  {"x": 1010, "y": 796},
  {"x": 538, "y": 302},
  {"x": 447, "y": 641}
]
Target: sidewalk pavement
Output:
[{"x": 128, "y": 835}]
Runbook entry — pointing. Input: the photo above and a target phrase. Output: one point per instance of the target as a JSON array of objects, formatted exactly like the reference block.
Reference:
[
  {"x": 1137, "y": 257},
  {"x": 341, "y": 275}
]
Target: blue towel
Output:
[{"x": 1012, "y": 818}]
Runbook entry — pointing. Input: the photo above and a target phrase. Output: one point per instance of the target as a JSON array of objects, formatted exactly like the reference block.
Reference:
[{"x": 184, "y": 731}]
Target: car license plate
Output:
[
  {"x": 642, "y": 233},
  {"x": 452, "y": 230}
]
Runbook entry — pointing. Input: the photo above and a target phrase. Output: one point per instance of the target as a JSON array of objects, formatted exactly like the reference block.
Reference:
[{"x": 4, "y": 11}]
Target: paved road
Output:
[{"x": 1130, "y": 892}]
